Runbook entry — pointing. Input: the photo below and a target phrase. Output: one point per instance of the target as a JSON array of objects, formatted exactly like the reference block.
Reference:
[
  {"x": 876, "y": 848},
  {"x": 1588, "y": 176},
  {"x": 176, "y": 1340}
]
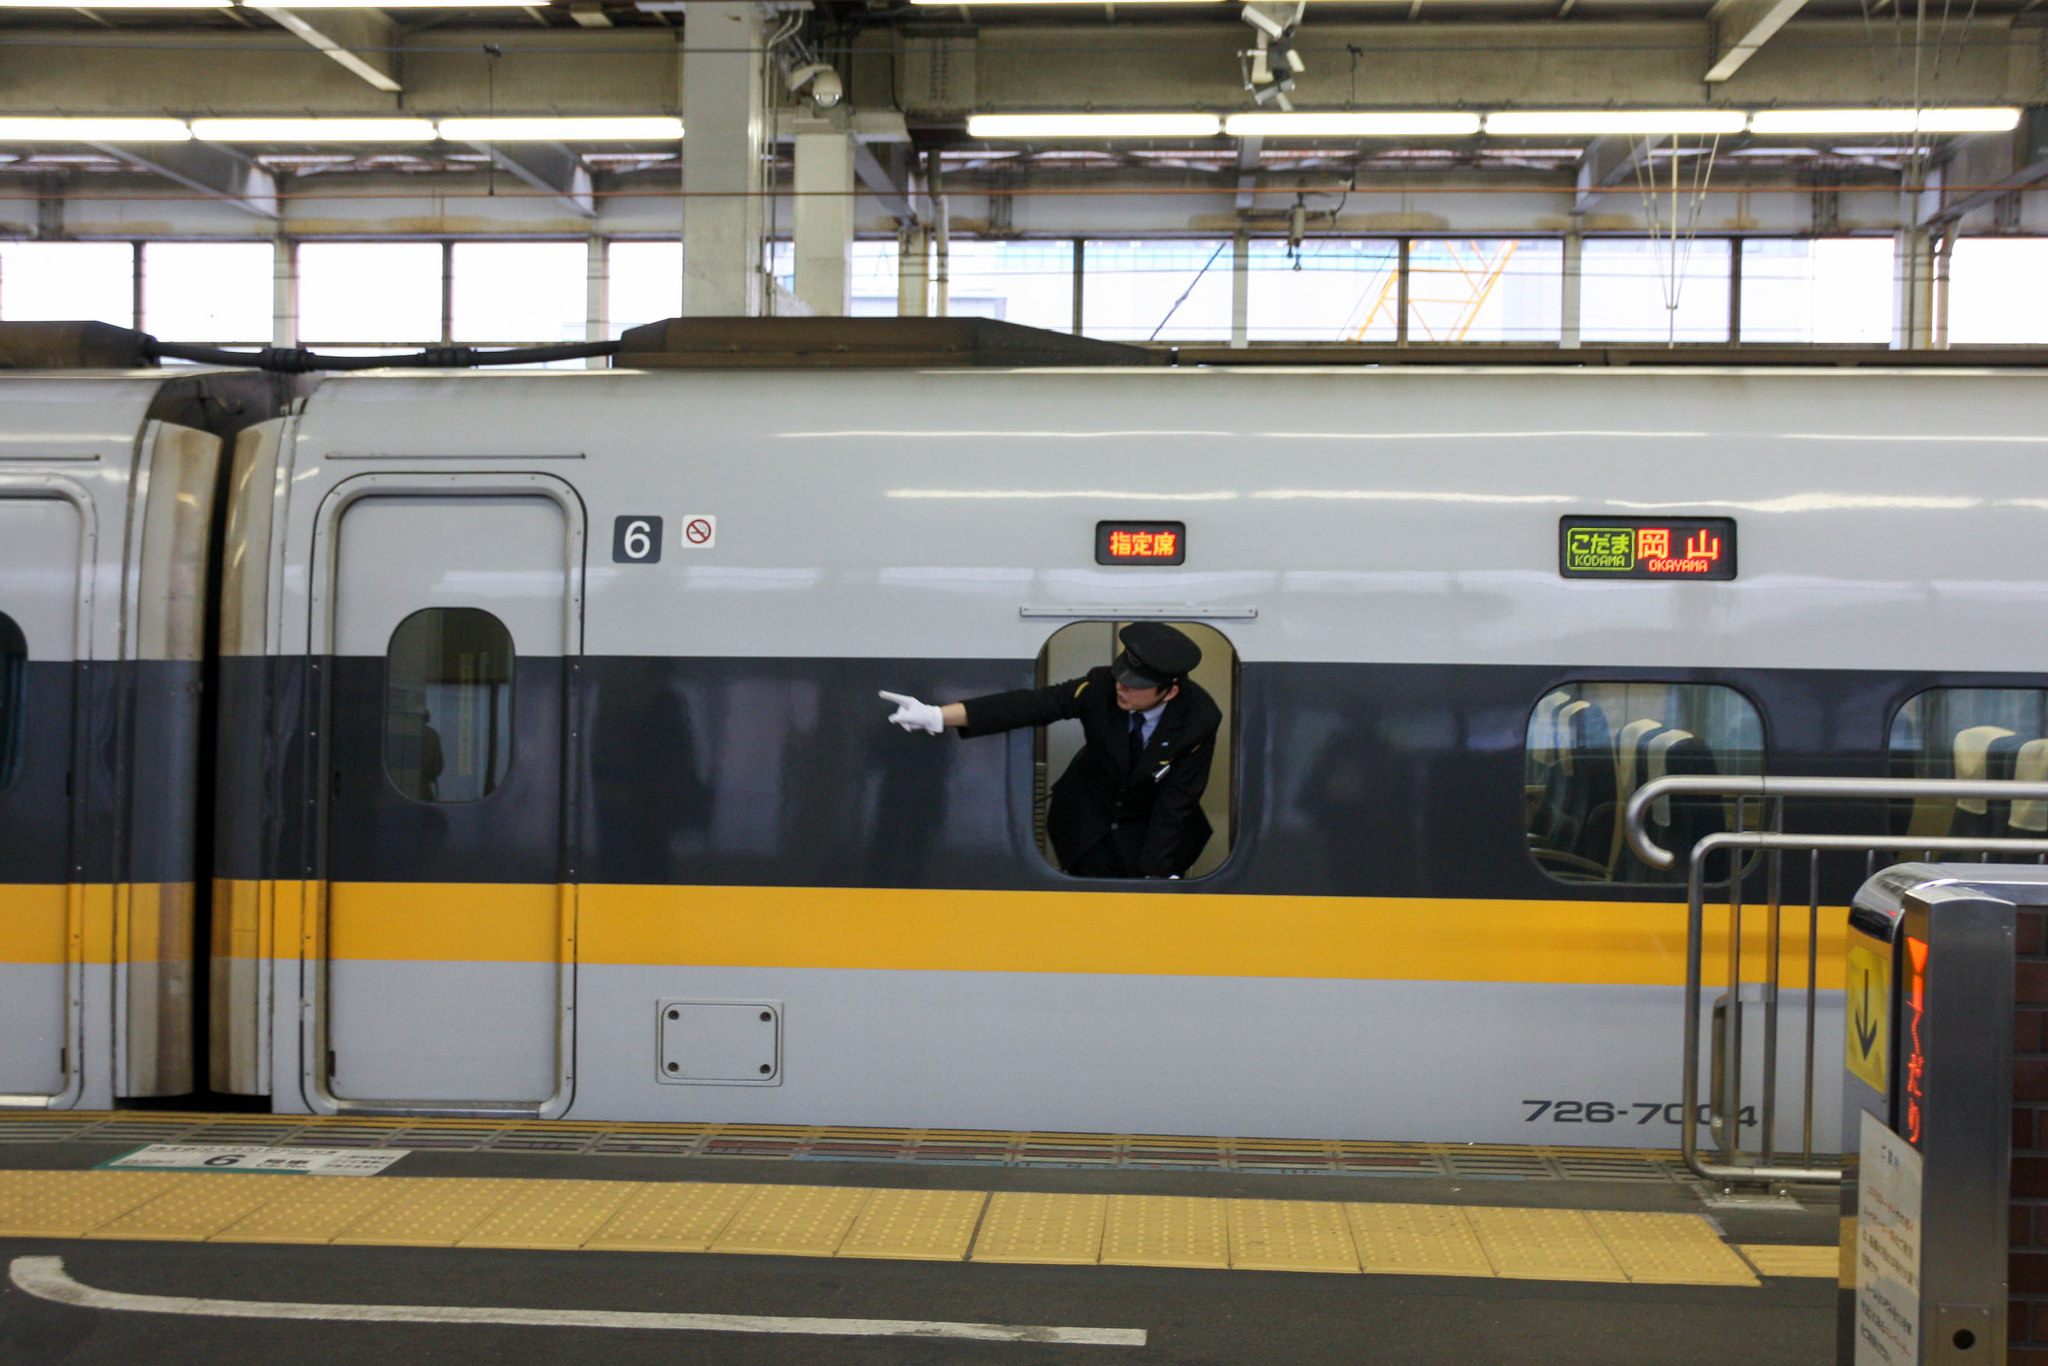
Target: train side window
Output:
[
  {"x": 1984, "y": 733},
  {"x": 13, "y": 690},
  {"x": 1069, "y": 653},
  {"x": 1591, "y": 745},
  {"x": 448, "y": 705}
]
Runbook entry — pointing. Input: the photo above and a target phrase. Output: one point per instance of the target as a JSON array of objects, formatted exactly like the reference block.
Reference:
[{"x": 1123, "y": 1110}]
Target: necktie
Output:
[{"x": 1137, "y": 738}]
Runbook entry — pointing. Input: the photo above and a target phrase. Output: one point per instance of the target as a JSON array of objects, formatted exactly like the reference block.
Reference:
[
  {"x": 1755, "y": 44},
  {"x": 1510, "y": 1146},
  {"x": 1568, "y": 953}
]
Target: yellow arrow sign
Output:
[{"x": 1869, "y": 997}]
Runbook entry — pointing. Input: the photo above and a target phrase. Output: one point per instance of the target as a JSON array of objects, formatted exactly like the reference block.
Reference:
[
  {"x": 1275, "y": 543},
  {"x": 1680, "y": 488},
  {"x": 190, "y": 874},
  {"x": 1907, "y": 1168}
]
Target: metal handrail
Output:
[{"x": 1775, "y": 790}]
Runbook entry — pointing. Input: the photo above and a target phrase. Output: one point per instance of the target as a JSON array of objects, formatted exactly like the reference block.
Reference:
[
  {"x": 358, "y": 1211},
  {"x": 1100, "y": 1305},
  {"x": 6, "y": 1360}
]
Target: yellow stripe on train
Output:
[
  {"x": 1370, "y": 938},
  {"x": 56, "y": 923}
]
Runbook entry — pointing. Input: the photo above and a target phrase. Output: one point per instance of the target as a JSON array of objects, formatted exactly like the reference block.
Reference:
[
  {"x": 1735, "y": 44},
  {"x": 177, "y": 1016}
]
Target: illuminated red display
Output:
[
  {"x": 1914, "y": 1078},
  {"x": 1629, "y": 548},
  {"x": 1141, "y": 543}
]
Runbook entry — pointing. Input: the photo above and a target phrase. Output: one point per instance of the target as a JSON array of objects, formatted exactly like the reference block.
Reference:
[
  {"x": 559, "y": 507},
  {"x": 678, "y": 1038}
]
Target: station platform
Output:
[{"x": 180, "y": 1237}]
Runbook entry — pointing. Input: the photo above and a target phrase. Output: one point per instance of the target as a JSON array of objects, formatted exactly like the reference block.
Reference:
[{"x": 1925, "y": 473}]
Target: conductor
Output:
[{"x": 1130, "y": 803}]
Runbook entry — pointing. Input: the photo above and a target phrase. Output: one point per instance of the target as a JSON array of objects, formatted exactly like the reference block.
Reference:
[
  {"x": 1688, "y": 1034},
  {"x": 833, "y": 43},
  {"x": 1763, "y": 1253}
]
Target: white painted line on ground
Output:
[{"x": 45, "y": 1278}]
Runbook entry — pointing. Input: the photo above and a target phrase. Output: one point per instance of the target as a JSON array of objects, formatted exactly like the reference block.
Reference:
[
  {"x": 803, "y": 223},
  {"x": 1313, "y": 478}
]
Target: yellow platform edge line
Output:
[{"x": 1221, "y": 1233}]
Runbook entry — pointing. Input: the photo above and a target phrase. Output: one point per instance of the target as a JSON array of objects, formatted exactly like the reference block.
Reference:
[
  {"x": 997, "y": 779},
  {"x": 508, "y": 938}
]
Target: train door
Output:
[
  {"x": 449, "y": 918},
  {"x": 42, "y": 616}
]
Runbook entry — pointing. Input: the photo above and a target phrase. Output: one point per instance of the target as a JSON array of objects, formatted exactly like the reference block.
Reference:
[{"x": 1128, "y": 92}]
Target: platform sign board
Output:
[
  {"x": 245, "y": 1157},
  {"x": 1887, "y": 1249}
]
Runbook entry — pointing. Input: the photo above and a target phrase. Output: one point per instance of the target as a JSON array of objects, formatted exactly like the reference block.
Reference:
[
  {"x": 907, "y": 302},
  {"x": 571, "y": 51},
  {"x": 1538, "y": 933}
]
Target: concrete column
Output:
[
  {"x": 912, "y": 273},
  {"x": 1241, "y": 290},
  {"x": 448, "y": 292},
  {"x": 284, "y": 291},
  {"x": 941, "y": 267},
  {"x": 724, "y": 116},
  {"x": 824, "y": 218},
  {"x": 1573, "y": 284},
  {"x": 596, "y": 296},
  {"x": 1944, "y": 258},
  {"x": 135, "y": 308},
  {"x": 1401, "y": 294},
  {"x": 1913, "y": 318},
  {"x": 1080, "y": 281}
]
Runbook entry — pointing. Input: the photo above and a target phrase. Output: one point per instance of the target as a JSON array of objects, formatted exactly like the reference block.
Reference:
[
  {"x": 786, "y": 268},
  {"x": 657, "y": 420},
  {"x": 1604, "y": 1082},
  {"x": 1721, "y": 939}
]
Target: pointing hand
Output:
[{"x": 912, "y": 714}]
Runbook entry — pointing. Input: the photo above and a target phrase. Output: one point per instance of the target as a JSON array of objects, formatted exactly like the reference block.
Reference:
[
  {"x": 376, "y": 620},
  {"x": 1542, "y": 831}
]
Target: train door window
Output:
[
  {"x": 1591, "y": 745},
  {"x": 1980, "y": 733},
  {"x": 448, "y": 705},
  {"x": 1068, "y": 655},
  {"x": 13, "y": 688}
]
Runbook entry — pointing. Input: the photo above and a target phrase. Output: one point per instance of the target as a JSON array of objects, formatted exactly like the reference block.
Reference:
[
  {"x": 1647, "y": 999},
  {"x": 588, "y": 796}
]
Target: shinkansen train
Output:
[{"x": 508, "y": 743}]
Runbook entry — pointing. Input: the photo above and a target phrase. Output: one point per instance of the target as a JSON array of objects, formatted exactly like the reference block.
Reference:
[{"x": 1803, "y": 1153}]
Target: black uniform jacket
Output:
[{"x": 1152, "y": 812}]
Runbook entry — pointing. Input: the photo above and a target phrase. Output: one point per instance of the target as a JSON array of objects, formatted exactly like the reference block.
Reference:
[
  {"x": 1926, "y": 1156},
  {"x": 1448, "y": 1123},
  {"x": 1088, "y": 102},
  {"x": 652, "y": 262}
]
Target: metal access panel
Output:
[
  {"x": 721, "y": 1043},
  {"x": 1926, "y": 1095}
]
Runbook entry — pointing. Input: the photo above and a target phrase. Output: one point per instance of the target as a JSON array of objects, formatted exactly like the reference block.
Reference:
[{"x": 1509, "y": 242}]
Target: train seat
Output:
[{"x": 1982, "y": 753}]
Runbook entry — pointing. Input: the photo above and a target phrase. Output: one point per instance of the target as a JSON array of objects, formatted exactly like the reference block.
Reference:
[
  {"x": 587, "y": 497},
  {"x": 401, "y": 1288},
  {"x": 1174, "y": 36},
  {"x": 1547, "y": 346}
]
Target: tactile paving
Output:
[
  {"x": 1165, "y": 1230},
  {"x": 1543, "y": 1245},
  {"x": 680, "y": 1216},
  {"x": 428, "y": 1212},
  {"x": 197, "y": 1207},
  {"x": 793, "y": 1221},
  {"x": 1416, "y": 1240},
  {"x": 70, "y": 1204},
  {"x": 550, "y": 1214},
  {"x": 1793, "y": 1259},
  {"x": 925, "y": 1226},
  {"x": 1028, "y": 1227},
  {"x": 1290, "y": 1235},
  {"x": 1668, "y": 1249},
  {"x": 310, "y": 1209}
]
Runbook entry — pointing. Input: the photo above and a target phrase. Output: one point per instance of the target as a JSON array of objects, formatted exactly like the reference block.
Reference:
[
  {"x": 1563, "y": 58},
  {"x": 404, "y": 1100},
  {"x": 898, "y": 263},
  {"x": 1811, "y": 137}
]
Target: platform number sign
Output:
[{"x": 636, "y": 540}]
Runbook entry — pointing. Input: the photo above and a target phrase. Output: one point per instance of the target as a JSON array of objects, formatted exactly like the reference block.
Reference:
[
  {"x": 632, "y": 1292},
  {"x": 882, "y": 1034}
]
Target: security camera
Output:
[{"x": 826, "y": 89}]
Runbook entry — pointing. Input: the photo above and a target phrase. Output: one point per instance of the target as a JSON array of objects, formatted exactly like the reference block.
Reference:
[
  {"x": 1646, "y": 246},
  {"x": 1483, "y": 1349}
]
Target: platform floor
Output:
[{"x": 492, "y": 1246}]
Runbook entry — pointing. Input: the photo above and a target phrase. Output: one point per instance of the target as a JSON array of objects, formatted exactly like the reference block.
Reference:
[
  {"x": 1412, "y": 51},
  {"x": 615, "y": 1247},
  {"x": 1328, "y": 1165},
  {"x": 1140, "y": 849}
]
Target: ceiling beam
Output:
[
  {"x": 212, "y": 170},
  {"x": 550, "y": 167},
  {"x": 1606, "y": 162},
  {"x": 1249, "y": 150},
  {"x": 360, "y": 40},
  {"x": 889, "y": 184},
  {"x": 1989, "y": 195},
  {"x": 1740, "y": 27}
]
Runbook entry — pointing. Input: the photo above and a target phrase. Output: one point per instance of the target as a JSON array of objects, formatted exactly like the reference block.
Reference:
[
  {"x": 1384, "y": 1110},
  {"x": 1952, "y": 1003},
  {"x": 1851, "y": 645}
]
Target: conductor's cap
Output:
[{"x": 1154, "y": 654}]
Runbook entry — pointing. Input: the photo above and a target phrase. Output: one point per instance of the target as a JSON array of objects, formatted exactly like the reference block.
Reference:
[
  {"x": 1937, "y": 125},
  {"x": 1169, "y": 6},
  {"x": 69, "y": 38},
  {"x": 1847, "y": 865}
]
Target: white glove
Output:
[{"x": 912, "y": 714}]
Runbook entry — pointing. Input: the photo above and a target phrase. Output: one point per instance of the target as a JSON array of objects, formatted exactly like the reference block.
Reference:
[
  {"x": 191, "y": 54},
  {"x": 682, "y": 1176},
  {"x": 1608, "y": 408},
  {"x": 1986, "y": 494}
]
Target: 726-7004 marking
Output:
[{"x": 1618, "y": 1111}]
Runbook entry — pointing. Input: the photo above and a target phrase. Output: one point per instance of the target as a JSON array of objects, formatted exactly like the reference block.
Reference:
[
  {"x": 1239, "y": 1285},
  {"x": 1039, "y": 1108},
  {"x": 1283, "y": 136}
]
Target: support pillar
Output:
[
  {"x": 597, "y": 297},
  {"x": 284, "y": 291},
  {"x": 1241, "y": 290},
  {"x": 824, "y": 219},
  {"x": 724, "y": 115},
  {"x": 1571, "y": 306},
  {"x": 913, "y": 273},
  {"x": 1913, "y": 318},
  {"x": 1080, "y": 282}
]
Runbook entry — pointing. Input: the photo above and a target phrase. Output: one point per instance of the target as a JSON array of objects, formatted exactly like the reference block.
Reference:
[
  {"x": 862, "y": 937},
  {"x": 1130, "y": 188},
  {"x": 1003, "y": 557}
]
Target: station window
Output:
[
  {"x": 1069, "y": 654},
  {"x": 448, "y": 705},
  {"x": 13, "y": 680},
  {"x": 1983, "y": 733},
  {"x": 1591, "y": 745}
]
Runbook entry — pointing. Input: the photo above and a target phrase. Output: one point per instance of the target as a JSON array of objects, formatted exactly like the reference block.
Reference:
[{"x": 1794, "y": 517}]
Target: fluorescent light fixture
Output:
[
  {"x": 638, "y": 129},
  {"x": 313, "y": 130},
  {"x": 1593, "y": 123},
  {"x": 1093, "y": 126},
  {"x": 394, "y": 4},
  {"x": 1767, "y": 122},
  {"x": 1335, "y": 124},
  {"x": 117, "y": 4},
  {"x": 61, "y": 129}
]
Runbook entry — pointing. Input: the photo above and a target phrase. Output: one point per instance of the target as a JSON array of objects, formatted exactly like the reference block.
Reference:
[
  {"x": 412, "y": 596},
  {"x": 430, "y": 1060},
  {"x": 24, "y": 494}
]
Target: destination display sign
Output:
[
  {"x": 1644, "y": 548},
  {"x": 1141, "y": 543}
]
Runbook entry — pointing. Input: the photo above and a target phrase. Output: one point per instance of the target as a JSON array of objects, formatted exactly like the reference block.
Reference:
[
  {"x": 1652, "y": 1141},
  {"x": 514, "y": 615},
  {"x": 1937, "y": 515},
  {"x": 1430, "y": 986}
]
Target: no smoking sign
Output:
[{"x": 700, "y": 532}]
